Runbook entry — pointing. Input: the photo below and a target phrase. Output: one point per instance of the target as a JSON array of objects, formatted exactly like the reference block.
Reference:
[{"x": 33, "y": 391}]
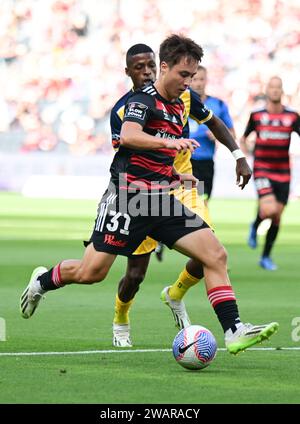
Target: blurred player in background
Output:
[
  {"x": 273, "y": 126},
  {"x": 203, "y": 156}
]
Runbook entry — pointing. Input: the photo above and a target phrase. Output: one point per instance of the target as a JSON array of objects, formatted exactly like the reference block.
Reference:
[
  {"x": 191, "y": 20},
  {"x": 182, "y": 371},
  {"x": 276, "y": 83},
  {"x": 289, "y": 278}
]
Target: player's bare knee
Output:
[
  {"x": 222, "y": 255},
  {"x": 268, "y": 211},
  {"x": 219, "y": 257},
  {"x": 216, "y": 258}
]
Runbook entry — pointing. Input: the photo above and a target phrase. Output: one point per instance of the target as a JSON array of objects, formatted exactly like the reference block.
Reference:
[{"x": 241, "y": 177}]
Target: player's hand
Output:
[
  {"x": 182, "y": 144},
  {"x": 243, "y": 172},
  {"x": 189, "y": 177}
]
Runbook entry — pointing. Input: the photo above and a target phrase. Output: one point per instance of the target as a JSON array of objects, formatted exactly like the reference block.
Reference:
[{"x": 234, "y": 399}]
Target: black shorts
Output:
[
  {"x": 204, "y": 171},
  {"x": 123, "y": 223},
  {"x": 265, "y": 186}
]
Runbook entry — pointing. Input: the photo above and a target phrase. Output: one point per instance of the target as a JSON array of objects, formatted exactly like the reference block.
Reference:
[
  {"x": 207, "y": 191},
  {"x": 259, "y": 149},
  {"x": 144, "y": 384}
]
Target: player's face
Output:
[
  {"x": 199, "y": 82},
  {"x": 142, "y": 69},
  {"x": 179, "y": 77},
  {"x": 274, "y": 90}
]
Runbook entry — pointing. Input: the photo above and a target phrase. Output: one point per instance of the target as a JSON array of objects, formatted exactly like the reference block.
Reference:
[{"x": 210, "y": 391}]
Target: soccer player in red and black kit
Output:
[
  {"x": 273, "y": 126},
  {"x": 139, "y": 203}
]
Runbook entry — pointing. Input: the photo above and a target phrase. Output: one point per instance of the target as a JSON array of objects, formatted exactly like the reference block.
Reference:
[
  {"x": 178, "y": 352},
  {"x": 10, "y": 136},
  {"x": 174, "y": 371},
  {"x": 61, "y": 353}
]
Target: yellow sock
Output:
[
  {"x": 122, "y": 311},
  {"x": 181, "y": 286}
]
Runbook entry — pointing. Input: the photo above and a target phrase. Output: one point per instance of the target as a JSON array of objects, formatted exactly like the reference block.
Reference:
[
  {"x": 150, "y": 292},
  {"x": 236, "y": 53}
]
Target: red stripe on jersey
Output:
[
  {"x": 271, "y": 165},
  {"x": 281, "y": 178},
  {"x": 168, "y": 152},
  {"x": 173, "y": 108},
  {"x": 170, "y": 127},
  {"x": 274, "y": 116},
  {"x": 144, "y": 183},
  {"x": 272, "y": 128},
  {"x": 284, "y": 154},
  {"x": 264, "y": 143},
  {"x": 152, "y": 165}
]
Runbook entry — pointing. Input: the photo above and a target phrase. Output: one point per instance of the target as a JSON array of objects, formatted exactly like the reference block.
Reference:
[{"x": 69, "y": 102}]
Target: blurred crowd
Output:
[{"x": 62, "y": 61}]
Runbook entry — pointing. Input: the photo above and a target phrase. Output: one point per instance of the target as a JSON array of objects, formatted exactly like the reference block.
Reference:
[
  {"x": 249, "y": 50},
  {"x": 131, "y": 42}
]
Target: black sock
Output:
[
  {"x": 257, "y": 221},
  {"x": 228, "y": 314},
  {"x": 46, "y": 281},
  {"x": 270, "y": 239}
]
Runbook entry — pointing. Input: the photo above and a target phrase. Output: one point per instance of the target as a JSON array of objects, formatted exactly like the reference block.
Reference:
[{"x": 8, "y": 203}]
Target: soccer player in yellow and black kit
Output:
[{"x": 151, "y": 135}]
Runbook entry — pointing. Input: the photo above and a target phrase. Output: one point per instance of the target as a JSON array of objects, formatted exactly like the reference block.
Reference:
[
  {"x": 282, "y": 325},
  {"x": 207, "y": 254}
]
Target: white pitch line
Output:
[
  {"x": 83, "y": 352},
  {"x": 92, "y": 352}
]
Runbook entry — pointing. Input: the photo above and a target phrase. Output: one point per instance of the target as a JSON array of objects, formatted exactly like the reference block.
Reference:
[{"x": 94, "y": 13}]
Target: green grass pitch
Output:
[{"x": 41, "y": 232}]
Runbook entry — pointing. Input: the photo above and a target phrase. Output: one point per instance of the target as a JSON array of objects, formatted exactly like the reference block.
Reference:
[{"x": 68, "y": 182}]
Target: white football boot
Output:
[
  {"x": 32, "y": 294},
  {"x": 121, "y": 335},
  {"x": 178, "y": 309}
]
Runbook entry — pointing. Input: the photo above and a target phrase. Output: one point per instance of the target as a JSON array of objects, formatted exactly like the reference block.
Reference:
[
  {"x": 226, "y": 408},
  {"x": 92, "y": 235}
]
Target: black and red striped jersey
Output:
[
  {"x": 152, "y": 169},
  {"x": 273, "y": 137}
]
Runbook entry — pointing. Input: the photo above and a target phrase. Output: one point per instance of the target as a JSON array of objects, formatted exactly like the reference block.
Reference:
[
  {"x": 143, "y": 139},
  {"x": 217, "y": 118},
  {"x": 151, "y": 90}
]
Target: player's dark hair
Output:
[
  {"x": 137, "y": 49},
  {"x": 175, "y": 47}
]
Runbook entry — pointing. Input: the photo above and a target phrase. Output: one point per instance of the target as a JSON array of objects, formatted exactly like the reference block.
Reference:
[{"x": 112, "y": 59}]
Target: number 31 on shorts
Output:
[{"x": 114, "y": 223}]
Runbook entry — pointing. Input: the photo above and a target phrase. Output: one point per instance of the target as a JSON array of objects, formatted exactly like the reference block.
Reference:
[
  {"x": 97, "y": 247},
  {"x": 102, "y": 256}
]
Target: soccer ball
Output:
[{"x": 194, "y": 347}]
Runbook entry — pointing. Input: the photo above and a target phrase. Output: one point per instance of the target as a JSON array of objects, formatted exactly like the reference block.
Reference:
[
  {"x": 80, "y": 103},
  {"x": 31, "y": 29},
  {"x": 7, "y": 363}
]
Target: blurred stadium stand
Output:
[{"x": 62, "y": 68}]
